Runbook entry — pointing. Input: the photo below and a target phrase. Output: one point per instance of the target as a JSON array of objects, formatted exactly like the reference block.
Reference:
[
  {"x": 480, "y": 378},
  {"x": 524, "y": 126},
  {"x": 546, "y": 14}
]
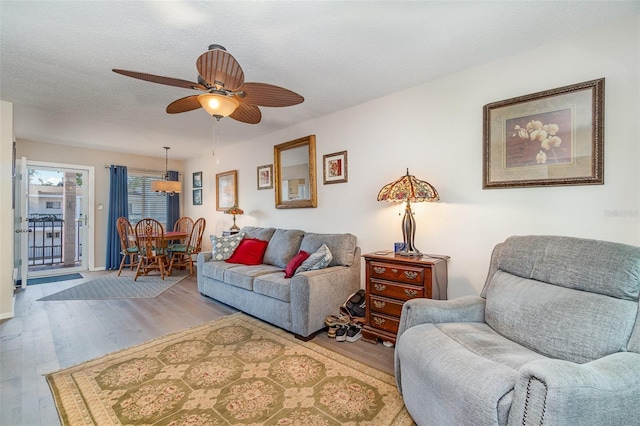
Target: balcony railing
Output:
[{"x": 46, "y": 236}]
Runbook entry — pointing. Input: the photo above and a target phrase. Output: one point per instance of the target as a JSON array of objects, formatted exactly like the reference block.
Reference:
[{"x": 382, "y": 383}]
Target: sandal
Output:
[{"x": 333, "y": 320}]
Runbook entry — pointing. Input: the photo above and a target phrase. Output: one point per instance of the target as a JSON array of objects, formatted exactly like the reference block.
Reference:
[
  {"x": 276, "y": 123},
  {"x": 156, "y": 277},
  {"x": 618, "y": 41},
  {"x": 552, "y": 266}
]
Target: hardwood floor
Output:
[{"x": 44, "y": 337}]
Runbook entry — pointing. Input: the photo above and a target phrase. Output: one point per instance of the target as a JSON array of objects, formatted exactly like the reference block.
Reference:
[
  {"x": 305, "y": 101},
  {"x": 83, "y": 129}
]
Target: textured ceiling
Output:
[{"x": 56, "y": 58}]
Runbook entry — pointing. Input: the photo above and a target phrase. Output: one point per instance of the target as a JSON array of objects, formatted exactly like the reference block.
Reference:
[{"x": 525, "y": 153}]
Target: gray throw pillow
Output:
[
  {"x": 223, "y": 247},
  {"x": 318, "y": 260}
]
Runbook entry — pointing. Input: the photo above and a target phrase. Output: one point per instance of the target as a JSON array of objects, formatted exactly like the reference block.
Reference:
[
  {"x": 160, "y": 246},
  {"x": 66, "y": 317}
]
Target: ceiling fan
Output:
[{"x": 225, "y": 92}]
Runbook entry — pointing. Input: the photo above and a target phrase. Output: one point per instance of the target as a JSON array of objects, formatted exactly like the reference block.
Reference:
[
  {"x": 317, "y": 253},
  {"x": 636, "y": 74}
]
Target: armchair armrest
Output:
[
  {"x": 557, "y": 392},
  {"x": 422, "y": 311}
]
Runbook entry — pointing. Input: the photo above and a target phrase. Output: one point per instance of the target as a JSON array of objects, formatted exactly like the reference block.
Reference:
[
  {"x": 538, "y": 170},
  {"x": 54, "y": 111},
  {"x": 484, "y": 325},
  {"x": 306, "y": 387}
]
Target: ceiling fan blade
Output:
[
  {"x": 218, "y": 67},
  {"x": 268, "y": 95},
  {"x": 185, "y": 104},
  {"x": 169, "y": 81},
  {"x": 247, "y": 114}
]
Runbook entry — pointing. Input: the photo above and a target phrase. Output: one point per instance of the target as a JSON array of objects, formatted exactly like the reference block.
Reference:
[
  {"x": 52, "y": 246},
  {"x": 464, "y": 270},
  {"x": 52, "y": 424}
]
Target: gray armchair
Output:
[{"x": 553, "y": 339}]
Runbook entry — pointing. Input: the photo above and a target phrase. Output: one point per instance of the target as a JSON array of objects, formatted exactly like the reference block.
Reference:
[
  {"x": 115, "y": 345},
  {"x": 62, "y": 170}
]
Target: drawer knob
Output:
[
  {"x": 394, "y": 270},
  {"x": 380, "y": 287},
  {"x": 379, "y": 321},
  {"x": 379, "y": 270},
  {"x": 411, "y": 274},
  {"x": 379, "y": 304},
  {"x": 410, "y": 293}
]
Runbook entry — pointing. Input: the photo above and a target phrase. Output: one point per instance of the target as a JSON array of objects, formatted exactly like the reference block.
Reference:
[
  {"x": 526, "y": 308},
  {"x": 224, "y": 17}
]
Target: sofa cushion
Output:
[
  {"x": 223, "y": 247},
  {"x": 318, "y": 260},
  {"x": 584, "y": 326},
  {"x": 243, "y": 275},
  {"x": 273, "y": 285},
  {"x": 258, "y": 232},
  {"x": 283, "y": 245},
  {"x": 295, "y": 263},
  {"x": 250, "y": 251},
  {"x": 342, "y": 246},
  {"x": 215, "y": 269}
]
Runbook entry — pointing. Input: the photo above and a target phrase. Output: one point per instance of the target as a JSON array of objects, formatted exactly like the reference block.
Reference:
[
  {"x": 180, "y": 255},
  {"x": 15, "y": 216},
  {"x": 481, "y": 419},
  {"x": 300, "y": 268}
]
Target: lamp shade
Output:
[
  {"x": 166, "y": 186},
  {"x": 235, "y": 210},
  {"x": 408, "y": 188},
  {"x": 218, "y": 105}
]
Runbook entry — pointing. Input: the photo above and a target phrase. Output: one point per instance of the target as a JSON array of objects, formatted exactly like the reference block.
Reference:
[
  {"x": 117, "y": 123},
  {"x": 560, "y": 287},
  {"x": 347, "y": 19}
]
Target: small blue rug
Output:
[{"x": 54, "y": 279}]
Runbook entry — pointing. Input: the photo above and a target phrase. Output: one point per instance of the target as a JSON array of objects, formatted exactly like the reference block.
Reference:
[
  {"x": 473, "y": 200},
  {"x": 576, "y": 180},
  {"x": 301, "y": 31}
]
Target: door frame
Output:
[{"x": 89, "y": 190}]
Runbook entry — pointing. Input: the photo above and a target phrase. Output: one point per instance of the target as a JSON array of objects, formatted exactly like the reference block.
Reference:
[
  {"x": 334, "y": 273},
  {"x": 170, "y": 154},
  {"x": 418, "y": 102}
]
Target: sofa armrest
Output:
[
  {"x": 554, "y": 392},
  {"x": 316, "y": 294},
  {"x": 205, "y": 256},
  {"x": 421, "y": 311}
]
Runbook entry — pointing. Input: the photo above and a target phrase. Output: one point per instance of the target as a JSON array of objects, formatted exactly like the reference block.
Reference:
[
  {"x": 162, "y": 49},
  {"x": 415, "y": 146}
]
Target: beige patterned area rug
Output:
[{"x": 233, "y": 371}]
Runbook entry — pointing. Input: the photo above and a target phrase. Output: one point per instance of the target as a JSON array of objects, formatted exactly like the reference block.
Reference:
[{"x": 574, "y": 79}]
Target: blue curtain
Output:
[
  {"x": 173, "y": 204},
  {"x": 118, "y": 206}
]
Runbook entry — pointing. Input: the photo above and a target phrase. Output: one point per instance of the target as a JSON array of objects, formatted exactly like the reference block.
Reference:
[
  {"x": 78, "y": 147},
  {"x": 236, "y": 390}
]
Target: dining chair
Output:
[
  {"x": 184, "y": 224},
  {"x": 182, "y": 254},
  {"x": 128, "y": 246},
  {"x": 152, "y": 250}
]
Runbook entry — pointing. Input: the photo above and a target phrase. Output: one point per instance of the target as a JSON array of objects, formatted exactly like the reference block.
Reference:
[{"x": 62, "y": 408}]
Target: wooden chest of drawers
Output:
[{"x": 392, "y": 280}]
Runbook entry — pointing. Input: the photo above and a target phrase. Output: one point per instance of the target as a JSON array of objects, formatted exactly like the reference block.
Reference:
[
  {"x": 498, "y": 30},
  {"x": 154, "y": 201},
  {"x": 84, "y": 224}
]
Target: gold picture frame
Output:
[
  {"x": 549, "y": 138},
  {"x": 226, "y": 190}
]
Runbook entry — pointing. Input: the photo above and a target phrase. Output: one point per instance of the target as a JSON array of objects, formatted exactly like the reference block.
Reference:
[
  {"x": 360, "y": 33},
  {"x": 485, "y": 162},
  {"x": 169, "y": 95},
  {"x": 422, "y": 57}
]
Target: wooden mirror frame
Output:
[{"x": 310, "y": 143}]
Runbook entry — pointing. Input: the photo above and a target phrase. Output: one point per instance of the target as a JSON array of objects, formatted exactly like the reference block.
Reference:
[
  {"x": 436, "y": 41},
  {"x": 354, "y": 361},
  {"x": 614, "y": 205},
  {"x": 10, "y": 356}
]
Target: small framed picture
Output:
[
  {"x": 334, "y": 167},
  {"x": 547, "y": 138},
  {"x": 197, "y": 180},
  {"x": 227, "y": 190},
  {"x": 265, "y": 177},
  {"x": 197, "y": 197}
]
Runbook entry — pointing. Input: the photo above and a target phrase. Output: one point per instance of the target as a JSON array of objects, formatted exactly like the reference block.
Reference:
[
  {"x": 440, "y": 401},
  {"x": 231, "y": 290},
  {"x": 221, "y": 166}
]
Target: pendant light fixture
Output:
[{"x": 166, "y": 186}]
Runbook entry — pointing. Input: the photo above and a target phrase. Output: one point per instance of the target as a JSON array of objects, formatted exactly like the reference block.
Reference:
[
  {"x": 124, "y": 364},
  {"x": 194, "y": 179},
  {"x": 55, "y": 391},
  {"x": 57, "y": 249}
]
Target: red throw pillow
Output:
[
  {"x": 250, "y": 251},
  {"x": 294, "y": 263}
]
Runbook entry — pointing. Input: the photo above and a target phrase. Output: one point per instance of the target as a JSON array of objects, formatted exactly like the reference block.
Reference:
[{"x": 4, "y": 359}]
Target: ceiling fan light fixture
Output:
[{"x": 218, "y": 105}]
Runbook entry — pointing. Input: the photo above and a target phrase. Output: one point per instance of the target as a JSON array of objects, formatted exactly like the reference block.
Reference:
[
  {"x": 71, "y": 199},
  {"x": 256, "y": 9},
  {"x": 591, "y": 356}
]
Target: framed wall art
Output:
[
  {"x": 549, "y": 138},
  {"x": 197, "y": 180},
  {"x": 197, "y": 197},
  {"x": 334, "y": 167},
  {"x": 265, "y": 177},
  {"x": 226, "y": 190}
]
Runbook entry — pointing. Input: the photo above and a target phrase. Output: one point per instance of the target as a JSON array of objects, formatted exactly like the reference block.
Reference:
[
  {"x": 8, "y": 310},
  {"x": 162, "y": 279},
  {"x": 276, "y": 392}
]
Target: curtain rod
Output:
[{"x": 141, "y": 170}]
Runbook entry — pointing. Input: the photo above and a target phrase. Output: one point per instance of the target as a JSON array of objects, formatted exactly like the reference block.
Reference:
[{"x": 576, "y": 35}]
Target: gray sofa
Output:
[
  {"x": 554, "y": 339},
  {"x": 298, "y": 304}
]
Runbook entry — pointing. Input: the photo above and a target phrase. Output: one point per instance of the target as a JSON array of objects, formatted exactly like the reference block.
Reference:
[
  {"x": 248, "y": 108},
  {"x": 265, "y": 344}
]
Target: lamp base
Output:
[
  {"x": 409, "y": 253},
  {"x": 234, "y": 227}
]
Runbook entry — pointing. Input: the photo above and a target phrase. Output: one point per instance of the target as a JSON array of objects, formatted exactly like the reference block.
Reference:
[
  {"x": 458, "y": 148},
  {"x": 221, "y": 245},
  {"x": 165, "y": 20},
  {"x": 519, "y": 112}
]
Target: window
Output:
[
  {"x": 53, "y": 205},
  {"x": 143, "y": 202},
  {"x": 51, "y": 235}
]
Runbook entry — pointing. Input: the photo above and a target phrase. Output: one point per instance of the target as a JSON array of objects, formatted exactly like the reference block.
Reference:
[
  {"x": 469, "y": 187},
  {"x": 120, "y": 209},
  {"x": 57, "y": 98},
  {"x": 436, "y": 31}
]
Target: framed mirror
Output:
[{"x": 294, "y": 164}]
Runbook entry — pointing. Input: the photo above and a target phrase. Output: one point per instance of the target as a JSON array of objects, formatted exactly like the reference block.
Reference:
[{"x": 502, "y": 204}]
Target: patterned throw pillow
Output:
[
  {"x": 223, "y": 247},
  {"x": 318, "y": 260}
]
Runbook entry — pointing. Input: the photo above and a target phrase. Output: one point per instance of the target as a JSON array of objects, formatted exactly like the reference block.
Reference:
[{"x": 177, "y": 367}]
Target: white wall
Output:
[
  {"x": 6, "y": 210},
  {"x": 436, "y": 131}
]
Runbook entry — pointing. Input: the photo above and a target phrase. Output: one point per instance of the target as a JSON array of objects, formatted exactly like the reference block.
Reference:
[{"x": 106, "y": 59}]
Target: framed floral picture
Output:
[
  {"x": 549, "y": 138},
  {"x": 226, "y": 190},
  {"x": 334, "y": 167},
  {"x": 265, "y": 177},
  {"x": 197, "y": 197}
]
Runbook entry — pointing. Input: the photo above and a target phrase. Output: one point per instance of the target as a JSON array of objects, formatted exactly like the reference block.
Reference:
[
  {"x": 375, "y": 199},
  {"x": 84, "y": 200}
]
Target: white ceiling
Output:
[{"x": 56, "y": 58}]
